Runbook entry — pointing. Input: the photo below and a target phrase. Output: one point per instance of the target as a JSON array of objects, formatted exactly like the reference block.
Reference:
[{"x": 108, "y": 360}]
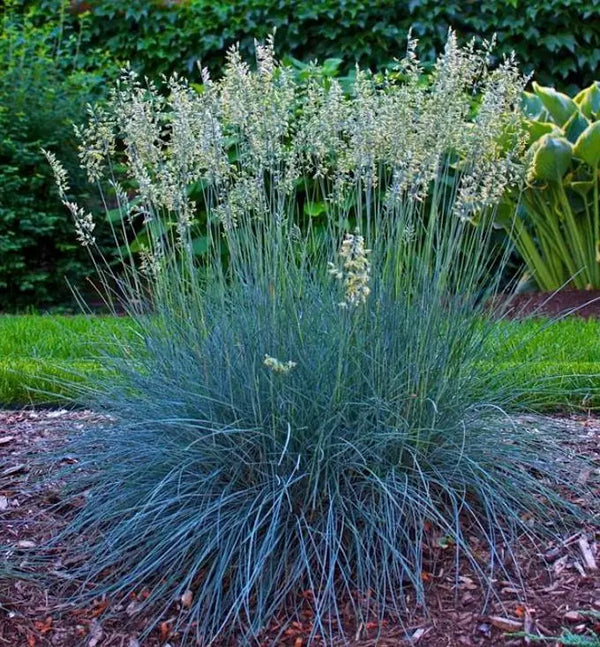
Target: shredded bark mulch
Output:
[
  {"x": 580, "y": 303},
  {"x": 560, "y": 589}
]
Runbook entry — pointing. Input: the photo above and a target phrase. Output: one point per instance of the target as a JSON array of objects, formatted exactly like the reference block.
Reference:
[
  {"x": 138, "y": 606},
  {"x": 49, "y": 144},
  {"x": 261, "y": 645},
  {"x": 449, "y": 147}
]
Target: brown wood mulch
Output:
[
  {"x": 580, "y": 303},
  {"x": 561, "y": 581}
]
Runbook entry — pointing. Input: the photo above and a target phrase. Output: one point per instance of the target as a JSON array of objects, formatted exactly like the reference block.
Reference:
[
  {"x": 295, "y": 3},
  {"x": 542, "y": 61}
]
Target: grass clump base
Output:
[
  {"x": 247, "y": 486},
  {"x": 301, "y": 407}
]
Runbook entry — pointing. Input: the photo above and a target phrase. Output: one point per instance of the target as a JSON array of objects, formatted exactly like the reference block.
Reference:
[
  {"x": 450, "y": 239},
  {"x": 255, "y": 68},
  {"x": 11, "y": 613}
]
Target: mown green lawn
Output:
[
  {"x": 558, "y": 361},
  {"x": 41, "y": 355}
]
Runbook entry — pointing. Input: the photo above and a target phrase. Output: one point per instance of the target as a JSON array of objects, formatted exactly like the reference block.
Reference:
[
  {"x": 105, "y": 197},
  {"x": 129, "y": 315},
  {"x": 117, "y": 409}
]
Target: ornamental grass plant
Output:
[{"x": 300, "y": 411}]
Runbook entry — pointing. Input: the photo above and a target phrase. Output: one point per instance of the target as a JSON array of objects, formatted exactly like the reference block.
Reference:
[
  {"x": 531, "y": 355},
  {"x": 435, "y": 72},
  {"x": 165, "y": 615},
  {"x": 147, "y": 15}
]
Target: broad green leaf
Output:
[
  {"x": 141, "y": 241},
  {"x": 538, "y": 129},
  {"x": 559, "y": 105},
  {"x": 552, "y": 158},
  {"x": 114, "y": 215},
  {"x": 532, "y": 105},
  {"x": 291, "y": 61},
  {"x": 331, "y": 66},
  {"x": 587, "y": 146},
  {"x": 588, "y": 101},
  {"x": 197, "y": 186},
  {"x": 582, "y": 187},
  {"x": 504, "y": 214},
  {"x": 577, "y": 123},
  {"x": 117, "y": 214}
]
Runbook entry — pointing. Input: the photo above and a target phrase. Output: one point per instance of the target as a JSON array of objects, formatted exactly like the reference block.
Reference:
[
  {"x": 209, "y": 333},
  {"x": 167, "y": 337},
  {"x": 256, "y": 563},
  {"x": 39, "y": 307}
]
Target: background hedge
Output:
[{"x": 559, "y": 39}]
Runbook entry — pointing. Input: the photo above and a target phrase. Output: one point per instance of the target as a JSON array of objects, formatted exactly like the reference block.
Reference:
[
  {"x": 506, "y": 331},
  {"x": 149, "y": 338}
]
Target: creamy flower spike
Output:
[
  {"x": 84, "y": 221},
  {"x": 355, "y": 272},
  {"x": 235, "y": 151}
]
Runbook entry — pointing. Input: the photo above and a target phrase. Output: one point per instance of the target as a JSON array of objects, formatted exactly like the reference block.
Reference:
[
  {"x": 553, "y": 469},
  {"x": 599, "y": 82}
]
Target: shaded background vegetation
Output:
[
  {"x": 44, "y": 87},
  {"x": 559, "y": 39},
  {"x": 57, "y": 55}
]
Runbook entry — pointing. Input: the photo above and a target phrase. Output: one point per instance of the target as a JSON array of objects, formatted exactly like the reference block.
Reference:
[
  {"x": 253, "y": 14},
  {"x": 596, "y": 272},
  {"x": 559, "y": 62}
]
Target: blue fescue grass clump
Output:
[
  {"x": 295, "y": 419},
  {"x": 248, "y": 485}
]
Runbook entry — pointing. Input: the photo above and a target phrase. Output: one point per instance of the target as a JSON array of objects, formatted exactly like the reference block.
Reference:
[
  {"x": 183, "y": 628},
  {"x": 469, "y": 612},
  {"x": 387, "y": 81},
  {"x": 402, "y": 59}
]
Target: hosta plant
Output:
[
  {"x": 291, "y": 431},
  {"x": 556, "y": 227}
]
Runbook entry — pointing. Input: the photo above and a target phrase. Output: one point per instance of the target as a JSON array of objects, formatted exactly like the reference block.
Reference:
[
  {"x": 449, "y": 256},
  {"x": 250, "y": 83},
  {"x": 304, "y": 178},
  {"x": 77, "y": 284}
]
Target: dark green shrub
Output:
[
  {"x": 43, "y": 89},
  {"x": 557, "y": 38}
]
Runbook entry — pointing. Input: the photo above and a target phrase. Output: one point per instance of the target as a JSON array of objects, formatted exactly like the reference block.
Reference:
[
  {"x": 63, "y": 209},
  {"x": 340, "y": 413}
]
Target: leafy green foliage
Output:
[
  {"x": 556, "y": 228},
  {"x": 558, "y": 39},
  {"x": 42, "y": 90},
  {"x": 67, "y": 68}
]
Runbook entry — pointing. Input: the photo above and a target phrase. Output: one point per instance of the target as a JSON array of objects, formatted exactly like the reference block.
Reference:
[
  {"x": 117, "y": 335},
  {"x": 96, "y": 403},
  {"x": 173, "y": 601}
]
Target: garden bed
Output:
[
  {"x": 580, "y": 303},
  {"x": 561, "y": 587}
]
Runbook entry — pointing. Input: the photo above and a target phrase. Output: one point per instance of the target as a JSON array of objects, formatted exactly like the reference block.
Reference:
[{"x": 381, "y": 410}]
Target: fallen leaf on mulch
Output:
[
  {"x": 588, "y": 556},
  {"x": 165, "y": 630},
  {"x": 187, "y": 598},
  {"x": 44, "y": 626},
  {"x": 506, "y": 624}
]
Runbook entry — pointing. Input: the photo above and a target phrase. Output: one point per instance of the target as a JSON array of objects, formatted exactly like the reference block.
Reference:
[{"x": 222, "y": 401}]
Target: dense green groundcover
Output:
[{"x": 40, "y": 355}]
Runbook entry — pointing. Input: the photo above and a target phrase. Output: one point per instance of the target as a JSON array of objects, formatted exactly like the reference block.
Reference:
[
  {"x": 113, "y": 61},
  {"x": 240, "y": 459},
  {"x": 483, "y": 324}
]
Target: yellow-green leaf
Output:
[
  {"x": 538, "y": 129},
  {"x": 314, "y": 209},
  {"x": 577, "y": 123},
  {"x": 588, "y": 101},
  {"x": 552, "y": 158},
  {"x": 559, "y": 105},
  {"x": 582, "y": 187},
  {"x": 587, "y": 146},
  {"x": 532, "y": 105}
]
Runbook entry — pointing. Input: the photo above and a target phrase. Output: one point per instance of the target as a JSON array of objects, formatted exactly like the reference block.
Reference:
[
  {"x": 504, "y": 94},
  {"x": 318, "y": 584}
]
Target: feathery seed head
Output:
[
  {"x": 355, "y": 270},
  {"x": 277, "y": 366}
]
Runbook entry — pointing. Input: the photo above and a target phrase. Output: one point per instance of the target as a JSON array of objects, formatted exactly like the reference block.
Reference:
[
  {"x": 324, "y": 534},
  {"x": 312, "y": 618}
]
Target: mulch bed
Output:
[
  {"x": 580, "y": 303},
  {"x": 561, "y": 581}
]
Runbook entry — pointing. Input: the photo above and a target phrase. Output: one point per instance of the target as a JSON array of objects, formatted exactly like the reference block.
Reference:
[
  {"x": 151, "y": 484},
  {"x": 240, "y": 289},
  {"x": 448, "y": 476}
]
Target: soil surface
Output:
[
  {"x": 561, "y": 580},
  {"x": 580, "y": 303}
]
